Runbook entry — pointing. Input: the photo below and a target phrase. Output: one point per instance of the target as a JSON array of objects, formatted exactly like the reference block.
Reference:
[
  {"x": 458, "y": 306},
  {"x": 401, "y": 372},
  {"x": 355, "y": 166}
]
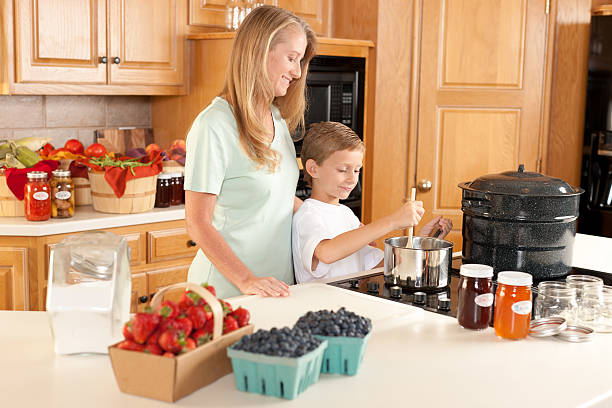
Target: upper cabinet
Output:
[
  {"x": 210, "y": 15},
  {"x": 95, "y": 47}
]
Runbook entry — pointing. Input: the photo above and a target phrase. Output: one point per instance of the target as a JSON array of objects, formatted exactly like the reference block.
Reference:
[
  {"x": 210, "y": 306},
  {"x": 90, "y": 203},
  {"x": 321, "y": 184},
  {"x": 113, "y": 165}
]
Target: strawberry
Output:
[
  {"x": 229, "y": 324},
  {"x": 154, "y": 338},
  {"x": 227, "y": 308},
  {"x": 208, "y": 326},
  {"x": 201, "y": 336},
  {"x": 167, "y": 323},
  {"x": 170, "y": 340},
  {"x": 168, "y": 309},
  {"x": 127, "y": 331},
  {"x": 210, "y": 288},
  {"x": 190, "y": 344},
  {"x": 185, "y": 325},
  {"x": 130, "y": 345},
  {"x": 143, "y": 325},
  {"x": 197, "y": 314},
  {"x": 168, "y": 354},
  {"x": 153, "y": 349},
  {"x": 242, "y": 316}
]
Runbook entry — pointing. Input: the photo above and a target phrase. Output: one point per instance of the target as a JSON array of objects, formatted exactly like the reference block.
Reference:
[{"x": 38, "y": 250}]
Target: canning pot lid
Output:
[
  {"x": 514, "y": 278},
  {"x": 476, "y": 271},
  {"x": 576, "y": 334},
  {"x": 521, "y": 182},
  {"x": 547, "y": 326}
]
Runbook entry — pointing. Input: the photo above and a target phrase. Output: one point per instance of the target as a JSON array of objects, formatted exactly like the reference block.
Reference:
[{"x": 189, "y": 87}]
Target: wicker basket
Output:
[
  {"x": 10, "y": 206},
  {"x": 82, "y": 191},
  {"x": 172, "y": 166},
  {"x": 139, "y": 195}
]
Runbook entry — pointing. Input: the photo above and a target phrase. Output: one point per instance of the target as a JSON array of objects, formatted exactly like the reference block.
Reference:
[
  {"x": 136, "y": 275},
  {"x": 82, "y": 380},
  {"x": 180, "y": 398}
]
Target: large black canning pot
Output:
[{"x": 520, "y": 221}]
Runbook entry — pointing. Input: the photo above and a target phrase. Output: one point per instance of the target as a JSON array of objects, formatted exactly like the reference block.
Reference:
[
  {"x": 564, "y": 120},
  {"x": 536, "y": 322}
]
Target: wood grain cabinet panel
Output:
[
  {"x": 165, "y": 245},
  {"x": 13, "y": 279},
  {"x": 167, "y": 276},
  {"x": 140, "y": 291}
]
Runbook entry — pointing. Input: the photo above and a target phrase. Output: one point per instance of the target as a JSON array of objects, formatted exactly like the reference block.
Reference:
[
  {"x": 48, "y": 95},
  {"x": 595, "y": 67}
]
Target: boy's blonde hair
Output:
[
  {"x": 325, "y": 138},
  {"x": 247, "y": 86}
]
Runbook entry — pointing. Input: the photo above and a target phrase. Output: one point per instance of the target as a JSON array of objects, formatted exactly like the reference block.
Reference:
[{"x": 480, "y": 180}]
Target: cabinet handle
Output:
[
  {"x": 103, "y": 60},
  {"x": 191, "y": 243},
  {"x": 116, "y": 60},
  {"x": 143, "y": 299}
]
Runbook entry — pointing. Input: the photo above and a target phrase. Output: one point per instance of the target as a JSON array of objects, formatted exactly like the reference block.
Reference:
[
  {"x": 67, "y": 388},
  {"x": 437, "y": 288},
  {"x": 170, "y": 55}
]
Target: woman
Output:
[{"x": 240, "y": 171}]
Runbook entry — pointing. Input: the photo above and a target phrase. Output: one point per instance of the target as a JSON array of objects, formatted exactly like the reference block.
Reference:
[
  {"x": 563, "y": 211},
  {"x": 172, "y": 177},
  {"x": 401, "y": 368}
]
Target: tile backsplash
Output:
[{"x": 70, "y": 117}]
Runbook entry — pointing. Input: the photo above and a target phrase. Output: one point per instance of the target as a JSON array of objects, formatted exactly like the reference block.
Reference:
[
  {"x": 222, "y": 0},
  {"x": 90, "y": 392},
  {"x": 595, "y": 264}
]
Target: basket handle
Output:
[{"x": 214, "y": 303}]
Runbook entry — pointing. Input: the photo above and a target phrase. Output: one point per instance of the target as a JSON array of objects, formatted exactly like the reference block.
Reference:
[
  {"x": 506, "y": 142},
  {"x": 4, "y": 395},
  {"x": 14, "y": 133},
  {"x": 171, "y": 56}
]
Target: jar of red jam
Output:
[
  {"x": 163, "y": 193},
  {"x": 513, "y": 305},
  {"x": 475, "y": 300},
  {"x": 177, "y": 188},
  {"x": 37, "y": 197}
]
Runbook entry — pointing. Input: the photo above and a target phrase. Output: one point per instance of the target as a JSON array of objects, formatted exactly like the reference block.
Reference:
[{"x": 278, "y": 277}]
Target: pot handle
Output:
[{"x": 475, "y": 204}]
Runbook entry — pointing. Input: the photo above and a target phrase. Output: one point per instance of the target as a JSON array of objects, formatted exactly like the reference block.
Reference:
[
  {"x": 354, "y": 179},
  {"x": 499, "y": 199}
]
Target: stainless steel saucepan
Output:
[{"x": 425, "y": 266}]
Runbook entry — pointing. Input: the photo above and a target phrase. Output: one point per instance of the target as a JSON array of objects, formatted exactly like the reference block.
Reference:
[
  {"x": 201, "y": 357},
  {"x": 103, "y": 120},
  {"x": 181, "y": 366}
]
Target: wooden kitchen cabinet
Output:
[
  {"x": 93, "y": 47},
  {"x": 24, "y": 263},
  {"x": 13, "y": 278},
  {"x": 210, "y": 15}
]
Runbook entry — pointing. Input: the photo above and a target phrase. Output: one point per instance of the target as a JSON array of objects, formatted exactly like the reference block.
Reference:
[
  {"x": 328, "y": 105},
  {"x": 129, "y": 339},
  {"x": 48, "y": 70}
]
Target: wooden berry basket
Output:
[
  {"x": 139, "y": 195},
  {"x": 169, "y": 379},
  {"x": 10, "y": 206}
]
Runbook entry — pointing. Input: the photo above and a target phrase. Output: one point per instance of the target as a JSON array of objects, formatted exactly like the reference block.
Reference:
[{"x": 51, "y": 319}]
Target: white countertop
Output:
[
  {"x": 414, "y": 358},
  {"x": 84, "y": 219}
]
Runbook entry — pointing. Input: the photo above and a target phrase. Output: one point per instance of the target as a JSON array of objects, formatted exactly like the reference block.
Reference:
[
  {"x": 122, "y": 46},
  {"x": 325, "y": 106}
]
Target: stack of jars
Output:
[
  {"x": 43, "y": 199},
  {"x": 169, "y": 190}
]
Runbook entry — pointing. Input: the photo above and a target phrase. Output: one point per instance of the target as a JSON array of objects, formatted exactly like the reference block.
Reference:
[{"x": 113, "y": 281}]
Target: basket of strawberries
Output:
[{"x": 171, "y": 349}]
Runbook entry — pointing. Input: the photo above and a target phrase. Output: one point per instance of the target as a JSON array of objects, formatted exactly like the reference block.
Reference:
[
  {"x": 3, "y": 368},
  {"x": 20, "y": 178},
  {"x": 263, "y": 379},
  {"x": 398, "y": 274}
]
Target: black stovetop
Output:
[{"x": 433, "y": 301}]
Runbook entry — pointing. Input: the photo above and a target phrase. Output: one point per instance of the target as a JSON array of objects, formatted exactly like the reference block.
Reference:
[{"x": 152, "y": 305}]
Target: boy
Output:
[{"x": 327, "y": 238}]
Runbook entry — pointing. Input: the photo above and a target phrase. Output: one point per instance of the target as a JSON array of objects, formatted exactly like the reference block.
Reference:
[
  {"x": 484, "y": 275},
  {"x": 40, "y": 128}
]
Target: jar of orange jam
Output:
[
  {"x": 37, "y": 198},
  {"x": 512, "y": 305}
]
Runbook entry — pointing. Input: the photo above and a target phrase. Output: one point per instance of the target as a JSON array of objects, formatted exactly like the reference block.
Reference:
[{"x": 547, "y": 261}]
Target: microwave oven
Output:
[{"x": 335, "y": 92}]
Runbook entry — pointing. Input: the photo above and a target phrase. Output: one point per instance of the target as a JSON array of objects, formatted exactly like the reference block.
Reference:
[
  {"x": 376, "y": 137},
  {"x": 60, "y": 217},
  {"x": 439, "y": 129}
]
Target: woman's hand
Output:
[
  {"x": 267, "y": 286},
  {"x": 445, "y": 225}
]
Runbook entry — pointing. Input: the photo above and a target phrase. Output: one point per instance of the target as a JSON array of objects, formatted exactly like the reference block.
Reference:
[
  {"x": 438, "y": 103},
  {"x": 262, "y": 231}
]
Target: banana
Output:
[{"x": 11, "y": 161}]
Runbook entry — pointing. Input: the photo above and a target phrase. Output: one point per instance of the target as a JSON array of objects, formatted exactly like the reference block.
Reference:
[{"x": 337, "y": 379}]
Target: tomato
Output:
[
  {"x": 95, "y": 150},
  {"x": 74, "y": 146},
  {"x": 46, "y": 149}
]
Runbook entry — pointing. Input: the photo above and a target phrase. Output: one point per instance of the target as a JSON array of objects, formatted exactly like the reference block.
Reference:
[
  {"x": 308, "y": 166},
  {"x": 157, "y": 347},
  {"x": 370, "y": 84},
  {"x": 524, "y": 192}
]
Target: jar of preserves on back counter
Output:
[
  {"x": 475, "y": 300},
  {"x": 513, "y": 305},
  {"x": 177, "y": 189},
  {"x": 163, "y": 194},
  {"x": 62, "y": 194},
  {"x": 37, "y": 198}
]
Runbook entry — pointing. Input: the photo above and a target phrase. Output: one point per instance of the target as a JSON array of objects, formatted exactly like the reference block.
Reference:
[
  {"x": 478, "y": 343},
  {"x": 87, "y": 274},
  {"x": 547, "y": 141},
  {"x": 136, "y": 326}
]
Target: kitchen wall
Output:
[{"x": 70, "y": 117}]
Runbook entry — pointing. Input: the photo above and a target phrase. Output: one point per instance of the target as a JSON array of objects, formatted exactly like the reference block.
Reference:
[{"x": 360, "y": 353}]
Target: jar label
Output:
[
  {"x": 63, "y": 195},
  {"x": 40, "y": 195},
  {"x": 484, "y": 300},
  {"x": 522, "y": 308}
]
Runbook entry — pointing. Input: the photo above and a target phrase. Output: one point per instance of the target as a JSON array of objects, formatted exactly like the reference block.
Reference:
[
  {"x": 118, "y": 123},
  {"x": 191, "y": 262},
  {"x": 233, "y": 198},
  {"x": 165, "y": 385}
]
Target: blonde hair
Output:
[
  {"x": 247, "y": 85},
  {"x": 325, "y": 138}
]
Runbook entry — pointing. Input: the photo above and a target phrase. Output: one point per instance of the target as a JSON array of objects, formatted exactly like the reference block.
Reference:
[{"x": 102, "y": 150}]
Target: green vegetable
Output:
[{"x": 108, "y": 161}]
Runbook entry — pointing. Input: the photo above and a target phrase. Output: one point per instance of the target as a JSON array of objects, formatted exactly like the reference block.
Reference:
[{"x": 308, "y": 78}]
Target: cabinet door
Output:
[
  {"x": 209, "y": 13},
  {"x": 140, "y": 291},
  {"x": 167, "y": 276},
  {"x": 146, "y": 42},
  {"x": 314, "y": 12},
  {"x": 60, "y": 41},
  {"x": 481, "y": 91},
  {"x": 169, "y": 244},
  {"x": 13, "y": 279}
]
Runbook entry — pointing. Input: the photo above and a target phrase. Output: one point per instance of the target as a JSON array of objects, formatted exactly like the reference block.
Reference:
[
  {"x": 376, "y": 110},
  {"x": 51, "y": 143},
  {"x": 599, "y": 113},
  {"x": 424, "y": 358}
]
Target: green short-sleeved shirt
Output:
[{"x": 254, "y": 207}]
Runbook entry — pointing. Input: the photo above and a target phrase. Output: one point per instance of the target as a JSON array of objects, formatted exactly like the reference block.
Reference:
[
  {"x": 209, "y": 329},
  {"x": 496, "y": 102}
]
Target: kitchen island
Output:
[{"x": 413, "y": 357}]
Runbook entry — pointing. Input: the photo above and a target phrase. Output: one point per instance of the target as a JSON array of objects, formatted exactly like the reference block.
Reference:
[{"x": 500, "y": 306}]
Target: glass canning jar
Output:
[
  {"x": 163, "y": 193},
  {"x": 37, "y": 197},
  {"x": 596, "y": 308},
  {"x": 556, "y": 299},
  {"x": 582, "y": 284},
  {"x": 475, "y": 296},
  {"x": 62, "y": 194},
  {"x": 513, "y": 305}
]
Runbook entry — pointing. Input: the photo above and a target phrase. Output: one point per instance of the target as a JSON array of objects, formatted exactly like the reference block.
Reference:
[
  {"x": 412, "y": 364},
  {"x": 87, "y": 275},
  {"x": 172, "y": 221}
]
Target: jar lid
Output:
[
  {"x": 523, "y": 183},
  {"x": 37, "y": 175},
  {"x": 61, "y": 173},
  {"x": 547, "y": 326},
  {"x": 177, "y": 174},
  {"x": 514, "y": 278},
  {"x": 164, "y": 176},
  {"x": 476, "y": 271},
  {"x": 576, "y": 334}
]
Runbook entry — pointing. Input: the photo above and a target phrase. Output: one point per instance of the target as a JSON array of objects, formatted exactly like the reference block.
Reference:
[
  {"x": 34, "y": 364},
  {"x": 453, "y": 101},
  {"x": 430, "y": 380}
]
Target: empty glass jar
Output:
[
  {"x": 556, "y": 299},
  {"x": 584, "y": 283},
  {"x": 596, "y": 308}
]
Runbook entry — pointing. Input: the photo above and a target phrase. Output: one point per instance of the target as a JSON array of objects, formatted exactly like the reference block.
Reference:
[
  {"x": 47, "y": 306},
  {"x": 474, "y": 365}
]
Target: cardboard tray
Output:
[{"x": 169, "y": 379}]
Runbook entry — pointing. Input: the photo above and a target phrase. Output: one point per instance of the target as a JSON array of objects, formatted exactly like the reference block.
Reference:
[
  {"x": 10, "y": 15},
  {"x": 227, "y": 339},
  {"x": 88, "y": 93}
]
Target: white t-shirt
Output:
[{"x": 316, "y": 221}]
